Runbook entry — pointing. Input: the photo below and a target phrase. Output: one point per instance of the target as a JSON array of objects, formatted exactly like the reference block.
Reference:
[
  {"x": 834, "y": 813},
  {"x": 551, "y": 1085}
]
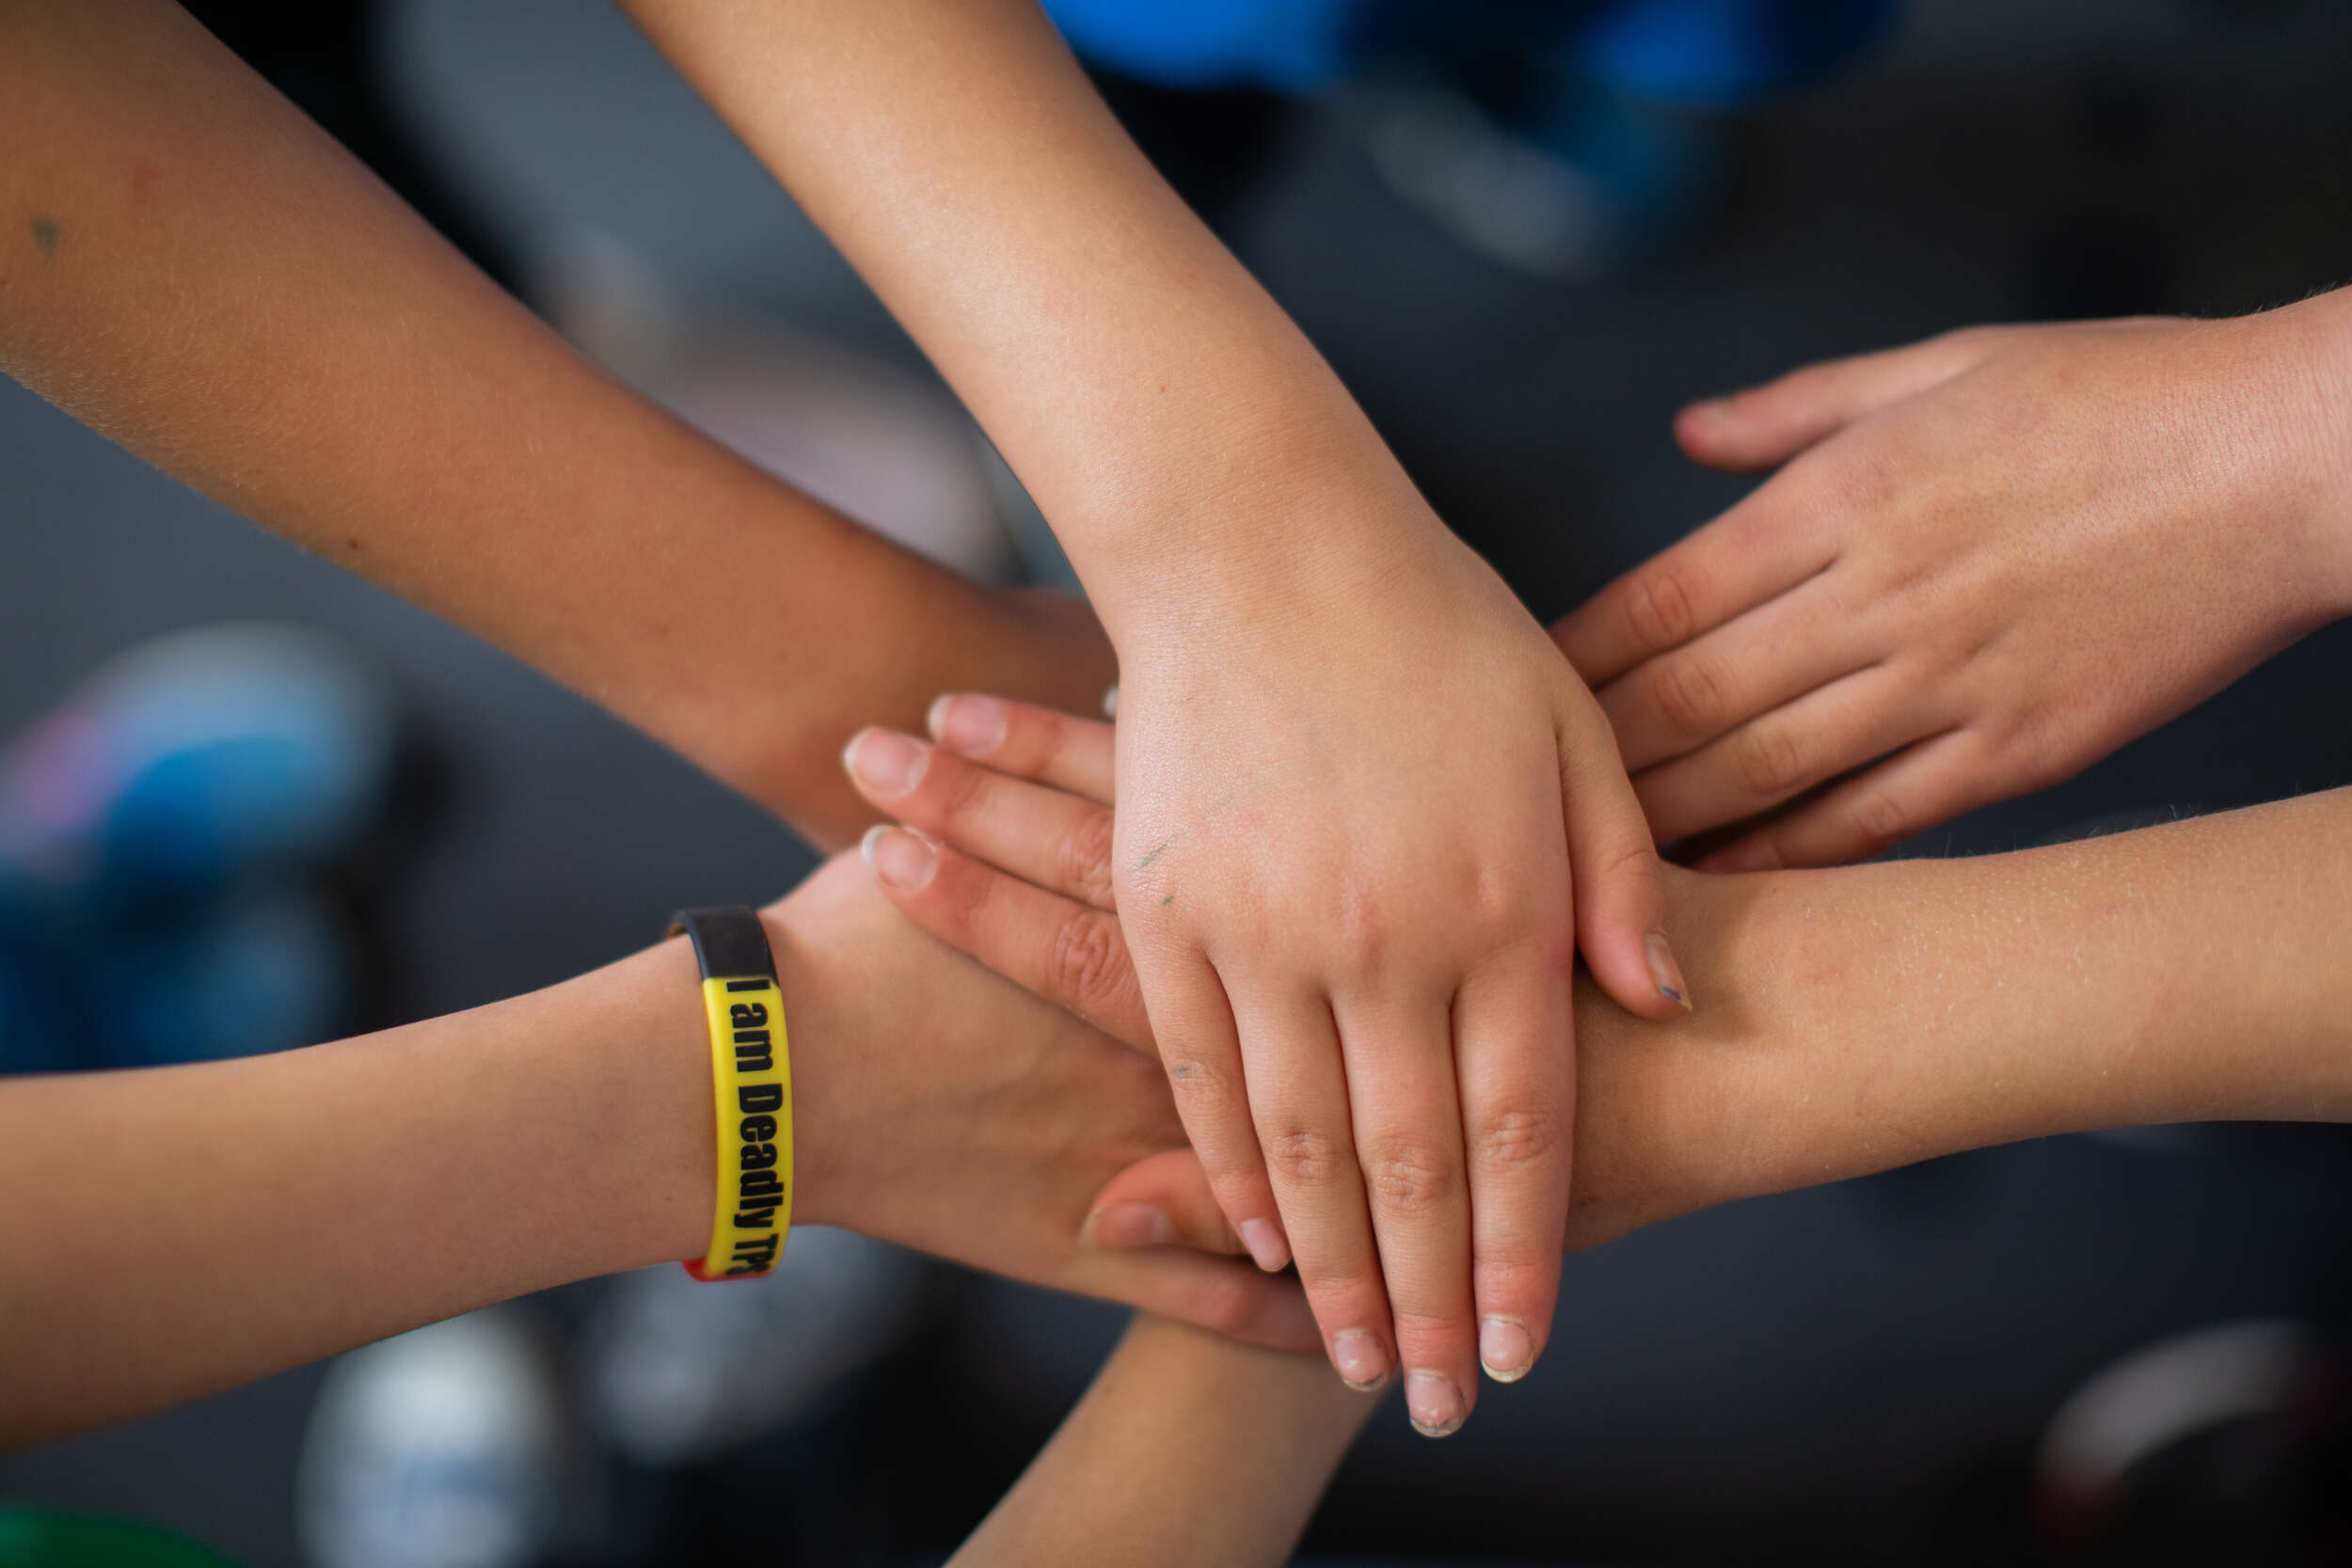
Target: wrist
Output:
[
  {"x": 2314, "y": 344},
  {"x": 1247, "y": 521}
]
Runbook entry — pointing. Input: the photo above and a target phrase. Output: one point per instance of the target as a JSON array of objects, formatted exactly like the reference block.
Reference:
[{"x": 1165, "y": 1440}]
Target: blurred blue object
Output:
[
  {"x": 189, "y": 763},
  {"x": 1711, "y": 52},
  {"x": 161, "y": 836}
]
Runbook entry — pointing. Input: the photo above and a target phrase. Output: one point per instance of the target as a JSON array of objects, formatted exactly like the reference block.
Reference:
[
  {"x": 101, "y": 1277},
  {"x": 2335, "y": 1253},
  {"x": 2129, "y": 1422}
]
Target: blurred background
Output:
[{"x": 2117, "y": 1349}]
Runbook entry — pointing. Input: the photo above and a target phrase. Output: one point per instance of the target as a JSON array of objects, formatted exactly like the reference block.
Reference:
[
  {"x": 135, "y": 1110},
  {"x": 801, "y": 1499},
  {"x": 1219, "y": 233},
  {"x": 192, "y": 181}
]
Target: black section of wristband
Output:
[{"x": 729, "y": 942}]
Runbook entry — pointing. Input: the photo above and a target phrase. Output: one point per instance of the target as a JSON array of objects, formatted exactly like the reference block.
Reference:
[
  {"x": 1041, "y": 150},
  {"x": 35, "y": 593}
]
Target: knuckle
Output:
[
  {"x": 1308, "y": 1157},
  {"x": 1660, "y": 605},
  {"x": 1411, "y": 1177},
  {"x": 1767, "y": 759},
  {"x": 1360, "y": 938},
  {"x": 1516, "y": 1139},
  {"x": 1085, "y": 856},
  {"x": 1086, "y": 964},
  {"x": 1688, "y": 694},
  {"x": 1500, "y": 1281},
  {"x": 1420, "y": 1333}
]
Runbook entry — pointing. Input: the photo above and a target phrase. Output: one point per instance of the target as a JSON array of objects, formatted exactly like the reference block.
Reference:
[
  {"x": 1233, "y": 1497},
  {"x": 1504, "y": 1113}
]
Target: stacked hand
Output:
[
  {"x": 1991, "y": 559},
  {"x": 1023, "y": 795},
  {"x": 982, "y": 1131}
]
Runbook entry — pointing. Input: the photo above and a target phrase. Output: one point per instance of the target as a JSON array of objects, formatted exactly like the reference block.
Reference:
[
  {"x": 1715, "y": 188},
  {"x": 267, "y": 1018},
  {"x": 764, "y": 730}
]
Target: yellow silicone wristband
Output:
[{"x": 751, "y": 1078}]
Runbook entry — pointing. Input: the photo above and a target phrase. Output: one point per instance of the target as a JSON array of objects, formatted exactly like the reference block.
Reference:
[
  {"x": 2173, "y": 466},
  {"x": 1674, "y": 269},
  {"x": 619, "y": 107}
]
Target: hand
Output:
[
  {"x": 1369, "y": 824},
  {"x": 1010, "y": 862},
  {"x": 939, "y": 1107},
  {"x": 1992, "y": 557},
  {"x": 1062, "y": 837}
]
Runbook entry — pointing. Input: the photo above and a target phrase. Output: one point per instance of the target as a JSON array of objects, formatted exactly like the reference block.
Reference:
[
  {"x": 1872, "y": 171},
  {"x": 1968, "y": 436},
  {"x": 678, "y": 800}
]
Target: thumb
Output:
[
  {"x": 1162, "y": 1200},
  {"x": 1766, "y": 425}
]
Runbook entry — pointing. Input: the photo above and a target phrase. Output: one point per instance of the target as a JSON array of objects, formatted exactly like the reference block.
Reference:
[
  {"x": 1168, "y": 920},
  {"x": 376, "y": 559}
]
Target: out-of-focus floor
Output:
[{"x": 1855, "y": 1372}]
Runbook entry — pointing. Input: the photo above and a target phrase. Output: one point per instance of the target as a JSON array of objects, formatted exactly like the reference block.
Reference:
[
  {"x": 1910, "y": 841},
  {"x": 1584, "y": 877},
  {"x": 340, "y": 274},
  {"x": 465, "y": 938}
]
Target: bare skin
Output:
[
  {"x": 1986, "y": 562},
  {"x": 191, "y": 267},
  {"x": 1858, "y": 1018},
  {"x": 299, "y": 1204},
  {"x": 1361, "y": 929}
]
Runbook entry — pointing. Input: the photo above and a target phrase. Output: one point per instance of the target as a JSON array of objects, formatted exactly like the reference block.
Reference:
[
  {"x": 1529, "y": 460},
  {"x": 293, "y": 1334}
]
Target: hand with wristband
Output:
[{"x": 303, "y": 1203}]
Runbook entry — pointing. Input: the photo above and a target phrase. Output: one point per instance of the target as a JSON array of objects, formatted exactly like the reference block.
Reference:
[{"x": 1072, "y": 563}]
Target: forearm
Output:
[
  {"x": 1154, "y": 399},
  {"x": 1863, "y": 1019},
  {"x": 192, "y": 268},
  {"x": 1189, "y": 1449},
  {"x": 173, "y": 1231}
]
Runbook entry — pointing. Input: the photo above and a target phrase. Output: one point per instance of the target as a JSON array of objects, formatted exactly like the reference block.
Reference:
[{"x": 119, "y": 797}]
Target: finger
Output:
[
  {"x": 1223, "y": 1296},
  {"x": 1931, "y": 781},
  {"x": 1754, "y": 552},
  {"x": 1408, "y": 1140},
  {"x": 1852, "y": 721},
  {"x": 1200, "y": 1049},
  {"x": 1774, "y": 653},
  {"x": 1161, "y": 1200},
  {"x": 1298, "y": 1101},
  {"x": 1513, "y": 1032},
  {"x": 1619, "y": 905},
  {"x": 1765, "y": 426},
  {"x": 1063, "y": 951},
  {"x": 1060, "y": 841},
  {"x": 1027, "y": 741}
]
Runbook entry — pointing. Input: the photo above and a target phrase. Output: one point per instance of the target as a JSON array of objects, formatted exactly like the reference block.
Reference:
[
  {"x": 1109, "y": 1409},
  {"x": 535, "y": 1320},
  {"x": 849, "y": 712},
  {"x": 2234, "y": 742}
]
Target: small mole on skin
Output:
[
  {"x": 46, "y": 233},
  {"x": 351, "y": 543}
]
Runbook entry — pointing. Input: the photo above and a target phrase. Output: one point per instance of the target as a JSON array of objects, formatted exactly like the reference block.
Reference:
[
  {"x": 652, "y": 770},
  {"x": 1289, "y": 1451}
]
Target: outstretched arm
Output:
[
  {"x": 192, "y": 268},
  {"x": 171, "y": 1231}
]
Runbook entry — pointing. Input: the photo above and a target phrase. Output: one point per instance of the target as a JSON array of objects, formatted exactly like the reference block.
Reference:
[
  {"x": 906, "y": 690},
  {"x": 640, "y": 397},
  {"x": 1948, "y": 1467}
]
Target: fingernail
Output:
[
  {"x": 1110, "y": 705},
  {"x": 1362, "y": 1364},
  {"x": 973, "y": 725},
  {"x": 900, "y": 858},
  {"x": 1504, "y": 1349},
  {"x": 886, "y": 762},
  {"x": 1121, "y": 1225},
  {"x": 1667, "y": 973},
  {"x": 1433, "y": 1404},
  {"x": 1265, "y": 1245}
]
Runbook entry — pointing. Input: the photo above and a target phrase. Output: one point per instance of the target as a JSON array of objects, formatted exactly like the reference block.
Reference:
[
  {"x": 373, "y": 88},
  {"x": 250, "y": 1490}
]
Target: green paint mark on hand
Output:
[
  {"x": 1169, "y": 899},
  {"x": 46, "y": 234},
  {"x": 1155, "y": 854}
]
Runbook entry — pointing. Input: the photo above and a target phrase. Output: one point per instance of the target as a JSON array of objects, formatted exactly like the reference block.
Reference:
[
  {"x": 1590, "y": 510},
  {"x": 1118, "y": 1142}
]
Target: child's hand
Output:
[
  {"x": 1995, "y": 557},
  {"x": 1352, "y": 822},
  {"x": 1392, "y": 1008}
]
